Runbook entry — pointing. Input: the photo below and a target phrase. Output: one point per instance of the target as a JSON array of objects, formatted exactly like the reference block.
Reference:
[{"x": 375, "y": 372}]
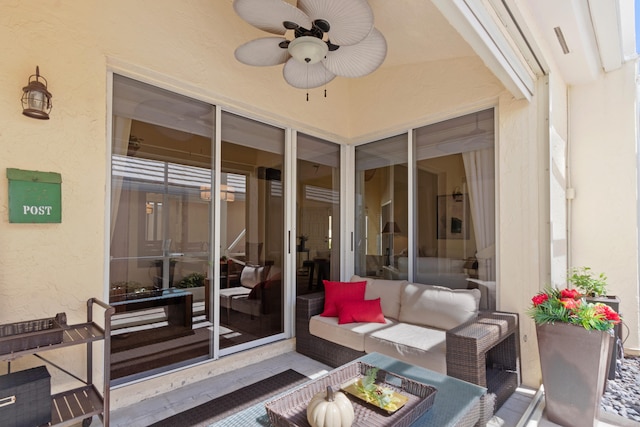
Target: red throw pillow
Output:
[
  {"x": 335, "y": 292},
  {"x": 368, "y": 310}
]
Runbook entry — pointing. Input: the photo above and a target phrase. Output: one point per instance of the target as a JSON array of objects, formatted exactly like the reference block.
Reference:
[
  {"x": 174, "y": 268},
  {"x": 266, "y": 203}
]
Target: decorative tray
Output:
[
  {"x": 290, "y": 409},
  {"x": 395, "y": 400}
]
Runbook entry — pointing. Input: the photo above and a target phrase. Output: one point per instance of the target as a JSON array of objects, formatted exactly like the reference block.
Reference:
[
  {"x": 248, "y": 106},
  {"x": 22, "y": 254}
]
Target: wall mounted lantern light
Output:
[
  {"x": 457, "y": 194},
  {"x": 36, "y": 99}
]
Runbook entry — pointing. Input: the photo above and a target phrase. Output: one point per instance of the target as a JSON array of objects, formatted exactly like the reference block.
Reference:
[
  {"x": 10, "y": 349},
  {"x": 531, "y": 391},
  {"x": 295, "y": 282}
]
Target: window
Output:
[
  {"x": 451, "y": 238},
  {"x": 251, "y": 231},
  {"x": 455, "y": 201},
  {"x": 318, "y": 203},
  {"x": 160, "y": 229},
  {"x": 381, "y": 206},
  {"x": 162, "y": 267}
]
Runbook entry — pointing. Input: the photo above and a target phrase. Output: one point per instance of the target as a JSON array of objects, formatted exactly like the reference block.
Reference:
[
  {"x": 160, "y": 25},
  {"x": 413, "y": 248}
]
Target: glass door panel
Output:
[
  {"x": 318, "y": 213},
  {"x": 252, "y": 232},
  {"x": 381, "y": 233},
  {"x": 160, "y": 230},
  {"x": 455, "y": 203}
]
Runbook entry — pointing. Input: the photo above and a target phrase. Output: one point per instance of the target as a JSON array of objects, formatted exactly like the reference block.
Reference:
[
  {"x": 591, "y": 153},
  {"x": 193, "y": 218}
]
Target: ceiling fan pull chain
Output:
[
  {"x": 325, "y": 81},
  {"x": 307, "y": 81}
]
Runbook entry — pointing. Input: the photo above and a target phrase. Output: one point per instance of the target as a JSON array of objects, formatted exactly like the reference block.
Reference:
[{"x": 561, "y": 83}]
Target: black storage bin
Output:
[
  {"x": 32, "y": 333},
  {"x": 25, "y": 398}
]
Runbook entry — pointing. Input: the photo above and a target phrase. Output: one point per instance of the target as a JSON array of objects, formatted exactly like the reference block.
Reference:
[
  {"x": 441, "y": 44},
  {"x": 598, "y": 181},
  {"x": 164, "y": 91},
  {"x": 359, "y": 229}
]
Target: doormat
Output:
[{"x": 224, "y": 406}]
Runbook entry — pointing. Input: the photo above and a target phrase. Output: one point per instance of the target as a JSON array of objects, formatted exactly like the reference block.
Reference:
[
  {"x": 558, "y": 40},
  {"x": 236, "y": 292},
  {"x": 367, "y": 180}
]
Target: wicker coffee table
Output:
[{"x": 457, "y": 403}]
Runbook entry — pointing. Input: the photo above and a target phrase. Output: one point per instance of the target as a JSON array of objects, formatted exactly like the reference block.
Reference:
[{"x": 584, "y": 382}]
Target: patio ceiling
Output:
[{"x": 598, "y": 33}]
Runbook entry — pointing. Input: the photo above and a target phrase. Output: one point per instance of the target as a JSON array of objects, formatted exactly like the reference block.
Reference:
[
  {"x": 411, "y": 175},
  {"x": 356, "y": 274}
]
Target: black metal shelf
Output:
[
  {"x": 82, "y": 403},
  {"x": 74, "y": 335},
  {"x": 71, "y": 406}
]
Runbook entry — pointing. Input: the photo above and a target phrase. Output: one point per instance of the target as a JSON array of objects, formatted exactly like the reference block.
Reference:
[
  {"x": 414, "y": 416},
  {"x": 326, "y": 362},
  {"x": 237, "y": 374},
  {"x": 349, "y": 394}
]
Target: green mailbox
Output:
[{"x": 34, "y": 197}]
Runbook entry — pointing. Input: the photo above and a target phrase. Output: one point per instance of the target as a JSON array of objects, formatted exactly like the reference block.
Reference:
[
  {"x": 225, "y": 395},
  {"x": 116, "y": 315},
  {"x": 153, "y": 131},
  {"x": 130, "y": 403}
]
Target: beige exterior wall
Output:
[
  {"x": 189, "y": 48},
  {"x": 604, "y": 221}
]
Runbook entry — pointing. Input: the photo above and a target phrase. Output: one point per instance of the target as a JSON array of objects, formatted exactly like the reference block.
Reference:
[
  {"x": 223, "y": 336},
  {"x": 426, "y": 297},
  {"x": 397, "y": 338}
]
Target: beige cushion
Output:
[
  {"x": 387, "y": 290},
  {"x": 413, "y": 344},
  {"x": 348, "y": 335},
  {"x": 227, "y": 294},
  {"x": 251, "y": 276},
  {"x": 437, "y": 306}
]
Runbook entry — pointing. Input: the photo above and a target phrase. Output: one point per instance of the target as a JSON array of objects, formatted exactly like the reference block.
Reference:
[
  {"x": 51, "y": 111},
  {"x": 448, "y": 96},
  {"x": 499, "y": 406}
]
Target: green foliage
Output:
[
  {"x": 192, "y": 280},
  {"x": 568, "y": 306},
  {"x": 551, "y": 310},
  {"x": 374, "y": 392},
  {"x": 130, "y": 286},
  {"x": 590, "y": 284}
]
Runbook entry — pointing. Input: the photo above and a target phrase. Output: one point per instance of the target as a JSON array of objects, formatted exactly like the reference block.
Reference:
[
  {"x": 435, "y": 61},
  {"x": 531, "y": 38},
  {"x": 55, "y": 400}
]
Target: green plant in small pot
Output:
[
  {"x": 193, "y": 280},
  {"x": 593, "y": 286},
  {"x": 588, "y": 282},
  {"x": 594, "y": 289},
  {"x": 194, "y": 283}
]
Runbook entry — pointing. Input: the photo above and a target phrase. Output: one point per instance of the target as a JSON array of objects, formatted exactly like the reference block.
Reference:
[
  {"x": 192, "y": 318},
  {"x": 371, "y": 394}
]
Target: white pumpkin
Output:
[{"x": 330, "y": 409}]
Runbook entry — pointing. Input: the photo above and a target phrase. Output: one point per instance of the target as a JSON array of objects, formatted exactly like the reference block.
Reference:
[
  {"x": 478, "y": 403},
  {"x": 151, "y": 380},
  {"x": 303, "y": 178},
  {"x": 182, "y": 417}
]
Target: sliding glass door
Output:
[
  {"x": 317, "y": 213},
  {"x": 172, "y": 289},
  {"x": 160, "y": 242},
  {"x": 252, "y": 232},
  {"x": 449, "y": 238},
  {"x": 381, "y": 231},
  {"x": 455, "y": 203}
]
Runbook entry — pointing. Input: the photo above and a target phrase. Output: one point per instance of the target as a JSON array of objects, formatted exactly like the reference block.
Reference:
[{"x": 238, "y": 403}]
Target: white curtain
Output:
[
  {"x": 479, "y": 168},
  {"x": 121, "y": 133}
]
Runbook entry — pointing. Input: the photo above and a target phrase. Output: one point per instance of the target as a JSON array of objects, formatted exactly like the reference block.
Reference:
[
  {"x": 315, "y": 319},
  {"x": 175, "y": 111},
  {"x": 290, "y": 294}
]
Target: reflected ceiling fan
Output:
[{"x": 320, "y": 39}]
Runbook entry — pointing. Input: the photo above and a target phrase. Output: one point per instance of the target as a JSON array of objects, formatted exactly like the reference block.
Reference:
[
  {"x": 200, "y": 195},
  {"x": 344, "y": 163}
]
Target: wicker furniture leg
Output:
[{"x": 485, "y": 351}]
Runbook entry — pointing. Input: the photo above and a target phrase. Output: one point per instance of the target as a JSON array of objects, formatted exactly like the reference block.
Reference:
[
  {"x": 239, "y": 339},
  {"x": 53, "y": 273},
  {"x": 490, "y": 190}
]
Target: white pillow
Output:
[
  {"x": 251, "y": 276},
  {"x": 437, "y": 306}
]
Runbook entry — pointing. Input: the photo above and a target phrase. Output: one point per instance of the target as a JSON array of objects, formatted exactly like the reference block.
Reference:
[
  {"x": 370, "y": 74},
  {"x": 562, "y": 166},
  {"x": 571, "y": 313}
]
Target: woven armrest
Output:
[
  {"x": 482, "y": 333},
  {"x": 317, "y": 348},
  {"x": 309, "y": 305},
  {"x": 486, "y": 351}
]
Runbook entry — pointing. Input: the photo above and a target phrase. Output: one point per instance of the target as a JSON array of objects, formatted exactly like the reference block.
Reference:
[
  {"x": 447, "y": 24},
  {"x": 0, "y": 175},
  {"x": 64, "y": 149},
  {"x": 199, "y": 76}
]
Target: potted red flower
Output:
[{"x": 574, "y": 338}]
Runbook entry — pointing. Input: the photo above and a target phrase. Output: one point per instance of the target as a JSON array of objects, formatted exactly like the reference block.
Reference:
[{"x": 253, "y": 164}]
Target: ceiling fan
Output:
[{"x": 320, "y": 39}]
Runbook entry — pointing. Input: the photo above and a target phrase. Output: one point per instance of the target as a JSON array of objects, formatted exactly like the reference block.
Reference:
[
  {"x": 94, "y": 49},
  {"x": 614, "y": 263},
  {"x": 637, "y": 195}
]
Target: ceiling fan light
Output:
[{"x": 308, "y": 50}]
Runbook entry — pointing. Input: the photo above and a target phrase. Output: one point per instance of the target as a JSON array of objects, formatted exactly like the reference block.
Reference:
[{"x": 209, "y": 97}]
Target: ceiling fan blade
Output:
[
  {"x": 305, "y": 76},
  {"x": 270, "y": 15},
  {"x": 262, "y": 52},
  {"x": 360, "y": 59},
  {"x": 350, "y": 21}
]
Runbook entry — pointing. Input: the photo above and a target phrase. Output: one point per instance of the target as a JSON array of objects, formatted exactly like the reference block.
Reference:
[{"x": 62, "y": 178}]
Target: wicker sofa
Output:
[{"x": 478, "y": 347}]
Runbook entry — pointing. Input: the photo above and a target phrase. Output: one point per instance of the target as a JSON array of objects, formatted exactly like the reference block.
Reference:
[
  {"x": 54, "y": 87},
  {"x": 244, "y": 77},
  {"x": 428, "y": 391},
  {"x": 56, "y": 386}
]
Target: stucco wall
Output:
[
  {"x": 397, "y": 98},
  {"x": 604, "y": 221}
]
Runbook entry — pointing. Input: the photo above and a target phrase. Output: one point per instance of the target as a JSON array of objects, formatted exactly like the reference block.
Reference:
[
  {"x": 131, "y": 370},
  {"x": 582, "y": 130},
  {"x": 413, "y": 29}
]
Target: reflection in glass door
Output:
[
  {"x": 252, "y": 233},
  {"x": 318, "y": 213},
  {"x": 381, "y": 233},
  {"x": 160, "y": 230}
]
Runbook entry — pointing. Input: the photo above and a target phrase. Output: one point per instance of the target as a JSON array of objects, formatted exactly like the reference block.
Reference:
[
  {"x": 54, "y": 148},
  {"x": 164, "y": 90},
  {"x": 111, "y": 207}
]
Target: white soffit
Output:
[
  {"x": 593, "y": 32},
  {"x": 480, "y": 25},
  {"x": 605, "y": 15}
]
